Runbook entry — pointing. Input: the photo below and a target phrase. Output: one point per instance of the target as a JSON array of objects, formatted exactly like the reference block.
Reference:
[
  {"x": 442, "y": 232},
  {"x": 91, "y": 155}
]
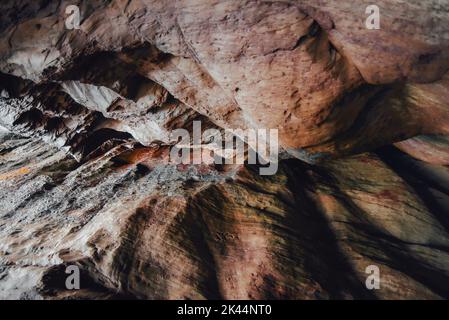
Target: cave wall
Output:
[{"x": 86, "y": 179}]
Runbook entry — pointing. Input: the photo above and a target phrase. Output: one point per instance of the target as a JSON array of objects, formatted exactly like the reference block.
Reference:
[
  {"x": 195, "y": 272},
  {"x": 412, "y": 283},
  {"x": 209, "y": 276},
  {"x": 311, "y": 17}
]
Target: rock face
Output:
[{"x": 85, "y": 175}]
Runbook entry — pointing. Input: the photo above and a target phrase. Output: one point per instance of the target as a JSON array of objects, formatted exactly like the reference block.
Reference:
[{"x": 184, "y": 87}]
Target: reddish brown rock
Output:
[
  {"x": 308, "y": 232},
  {"x": 85, "y": 176},
  {"x": 300, "y": 67},
  {"x": 431, "y": 149}
]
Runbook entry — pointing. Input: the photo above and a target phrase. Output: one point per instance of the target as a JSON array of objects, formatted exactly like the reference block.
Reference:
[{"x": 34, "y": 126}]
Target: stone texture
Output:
[
  {"x": 146, "y": 229},
  {"x": 85, "y": 122},
  {"x": 431, "y": 149},
  {"x": 289, "y": 65}
]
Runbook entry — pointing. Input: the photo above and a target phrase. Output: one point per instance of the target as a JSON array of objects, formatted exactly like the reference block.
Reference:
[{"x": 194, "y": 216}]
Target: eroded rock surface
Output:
[
  {"x": 151, "y": 230},
  {"x": 84, "y": 158}
]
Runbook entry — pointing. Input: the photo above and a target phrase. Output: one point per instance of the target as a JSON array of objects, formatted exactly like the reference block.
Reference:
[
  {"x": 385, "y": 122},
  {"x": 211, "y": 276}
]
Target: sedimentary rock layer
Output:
[{"x": 85, "y": 176}]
